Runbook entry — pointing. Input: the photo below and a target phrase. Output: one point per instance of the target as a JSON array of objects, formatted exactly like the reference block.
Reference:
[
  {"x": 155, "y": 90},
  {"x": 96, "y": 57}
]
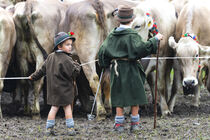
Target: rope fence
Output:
[{"x": 93, "y": 61}]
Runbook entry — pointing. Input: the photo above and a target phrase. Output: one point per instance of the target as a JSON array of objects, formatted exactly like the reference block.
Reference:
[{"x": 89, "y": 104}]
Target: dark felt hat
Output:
[
  {"x": 61, "y": 37},
  {"x": 125, "y": 14}
]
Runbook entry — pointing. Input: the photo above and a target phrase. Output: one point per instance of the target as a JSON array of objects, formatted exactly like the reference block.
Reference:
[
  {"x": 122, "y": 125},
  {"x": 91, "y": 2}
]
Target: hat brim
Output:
[
  {"x": 124, "y": 20},
  {"x": 72, "y": 38}
]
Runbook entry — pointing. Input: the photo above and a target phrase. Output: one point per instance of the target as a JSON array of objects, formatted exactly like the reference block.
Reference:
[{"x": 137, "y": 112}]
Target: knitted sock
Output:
[
  {"x": 119, "y": 119},
  {"x": 50, "y": 124},
  {"x": 70, "y": 123},
  {"x": 135, "y": 119}
]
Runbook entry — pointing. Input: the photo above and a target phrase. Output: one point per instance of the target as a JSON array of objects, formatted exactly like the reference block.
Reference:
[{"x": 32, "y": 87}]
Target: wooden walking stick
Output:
[{"x": 156, "y": 78}]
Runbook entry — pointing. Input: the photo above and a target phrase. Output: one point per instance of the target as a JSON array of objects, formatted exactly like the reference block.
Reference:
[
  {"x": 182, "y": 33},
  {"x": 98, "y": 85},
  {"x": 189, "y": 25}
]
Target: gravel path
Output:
[{"x": 186, "y": 123}]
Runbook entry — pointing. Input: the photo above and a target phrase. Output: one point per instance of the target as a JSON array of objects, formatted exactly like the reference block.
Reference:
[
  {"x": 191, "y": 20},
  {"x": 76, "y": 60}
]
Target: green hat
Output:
[{"x": 61, "y": 37}]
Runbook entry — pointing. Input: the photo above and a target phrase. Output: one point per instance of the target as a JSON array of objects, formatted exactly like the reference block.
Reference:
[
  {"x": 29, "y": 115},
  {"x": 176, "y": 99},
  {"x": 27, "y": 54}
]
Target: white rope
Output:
[
  {"x": 152, "y": 58},
  {"x": 14, "y": 78},
  {"x": 88, "y": 62},
  {"x": 162, "y": 58},
  {"x": 146, "y": 58}
]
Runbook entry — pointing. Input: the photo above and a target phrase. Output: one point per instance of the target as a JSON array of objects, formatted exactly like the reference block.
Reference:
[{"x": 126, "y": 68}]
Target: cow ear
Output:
[
  {"x": 149, "y": 22},
  {"x": 204, "y": 50},
  {"x": 172, "y": 43}
]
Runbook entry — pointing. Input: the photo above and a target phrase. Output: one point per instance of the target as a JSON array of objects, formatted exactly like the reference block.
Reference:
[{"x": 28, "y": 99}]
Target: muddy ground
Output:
[{"x": 187, "y": 122}]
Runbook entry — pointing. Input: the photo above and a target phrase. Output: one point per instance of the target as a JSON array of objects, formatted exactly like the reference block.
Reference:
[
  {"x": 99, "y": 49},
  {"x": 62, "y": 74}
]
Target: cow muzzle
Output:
[
  {"x": 189, "y": 85},
  {"x": 190, "y": 90},
  {"x": 190, "y": 82}
]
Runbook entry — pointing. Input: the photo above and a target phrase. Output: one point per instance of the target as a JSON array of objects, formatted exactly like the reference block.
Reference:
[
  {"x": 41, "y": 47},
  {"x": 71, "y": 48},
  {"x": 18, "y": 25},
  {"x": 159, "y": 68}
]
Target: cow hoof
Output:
[
  {"x": 194, "y": 106},
  {"x": 101, "y": 118},
  {"x": 109, "y": 112},
  {"x": 166, "y": 113},
  {"x": 36, "y": 117},
  {"x": 171, "y": 109},
  {"x": 101, "y": 113}
]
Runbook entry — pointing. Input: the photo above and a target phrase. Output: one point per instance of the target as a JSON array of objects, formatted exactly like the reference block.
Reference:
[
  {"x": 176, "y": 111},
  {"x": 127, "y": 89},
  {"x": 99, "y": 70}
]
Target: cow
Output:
[
  {"x": 7, "y": 43},
  {"x": 92, "y": 21},
  {"x": 179, "y": 4},
  {"x": 5, "y": 3},
  {"x": 192, "y": 33},
  {"x": 163, "y": 13},
  {"x": 36, "y": 23}
]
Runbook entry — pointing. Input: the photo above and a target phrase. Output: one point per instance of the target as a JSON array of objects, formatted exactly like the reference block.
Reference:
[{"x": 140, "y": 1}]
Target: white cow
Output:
[
  {"x": 7, "y": 42},
  {"x": 192, "y": 26},
  {"x": 164, "y": 15},
  {"x": 36, "y": 22}
]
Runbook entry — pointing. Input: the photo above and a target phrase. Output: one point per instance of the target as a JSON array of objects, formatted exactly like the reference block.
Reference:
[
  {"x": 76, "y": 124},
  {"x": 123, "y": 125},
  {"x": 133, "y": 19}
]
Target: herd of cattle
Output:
[{"x": 27, "y": 30}]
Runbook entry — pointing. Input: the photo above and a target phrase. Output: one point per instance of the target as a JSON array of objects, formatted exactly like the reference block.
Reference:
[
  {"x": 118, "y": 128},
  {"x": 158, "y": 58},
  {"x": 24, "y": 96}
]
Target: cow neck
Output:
[
  {"x": 154, "y": 29},
  {"x": 194, "y": 38},
  {"x": 191, "y": 36}
]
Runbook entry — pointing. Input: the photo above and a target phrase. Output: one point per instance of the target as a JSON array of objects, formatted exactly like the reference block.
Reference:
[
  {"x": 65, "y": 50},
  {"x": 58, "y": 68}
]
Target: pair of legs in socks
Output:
[
  {"x": 119, "y": 118},
  {"x": 68, "y": 115}
]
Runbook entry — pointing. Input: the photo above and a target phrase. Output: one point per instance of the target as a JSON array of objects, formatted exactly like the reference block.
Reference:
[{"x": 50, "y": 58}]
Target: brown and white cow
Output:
[
  {"x": 92, "y": 21},
  {"x": 36, "y": 22},
  {"x": 7, "y": 43},
  {"x": 192, "y": 26}
]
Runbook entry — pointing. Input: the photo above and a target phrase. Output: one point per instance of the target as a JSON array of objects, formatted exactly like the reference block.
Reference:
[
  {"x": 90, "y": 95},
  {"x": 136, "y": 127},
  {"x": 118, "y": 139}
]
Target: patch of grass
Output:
[{"x": 39, "y": 128}]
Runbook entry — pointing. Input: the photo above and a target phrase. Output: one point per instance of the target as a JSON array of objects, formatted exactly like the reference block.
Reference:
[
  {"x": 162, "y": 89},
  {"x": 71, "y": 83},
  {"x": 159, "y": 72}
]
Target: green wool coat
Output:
[
  {"x": 61, "y": 72},
  {"x": 122, "y": 49}
]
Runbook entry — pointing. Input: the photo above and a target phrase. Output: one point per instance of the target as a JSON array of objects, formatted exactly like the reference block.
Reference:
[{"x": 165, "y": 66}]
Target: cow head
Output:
[
  {"x": 188, "y": 47},
  {"x": 142, "y": 23}
]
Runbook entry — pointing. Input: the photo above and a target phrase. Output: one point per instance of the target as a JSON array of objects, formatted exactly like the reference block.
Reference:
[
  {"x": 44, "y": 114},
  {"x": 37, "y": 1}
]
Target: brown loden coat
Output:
[{"x": 61, "y": 72}]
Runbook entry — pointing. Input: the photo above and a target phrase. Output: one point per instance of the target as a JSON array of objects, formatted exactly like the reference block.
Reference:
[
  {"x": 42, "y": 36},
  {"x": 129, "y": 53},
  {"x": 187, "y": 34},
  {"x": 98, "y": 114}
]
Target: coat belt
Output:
[{"x": 114, "y": 61}]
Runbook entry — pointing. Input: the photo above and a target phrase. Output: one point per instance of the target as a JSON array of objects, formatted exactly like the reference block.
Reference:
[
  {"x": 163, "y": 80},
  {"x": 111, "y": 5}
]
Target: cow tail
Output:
[
  {"x": 100, "y": 16},
  {"x": 28, "y": 11}
]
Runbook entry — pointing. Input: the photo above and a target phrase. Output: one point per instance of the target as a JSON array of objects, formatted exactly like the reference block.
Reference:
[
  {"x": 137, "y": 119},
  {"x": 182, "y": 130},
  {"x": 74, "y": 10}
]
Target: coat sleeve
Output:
[
  {"x": 143, "y": 49},
  {"x": 104, "y": 60},
  {"x": 39, "y": 73},
  {"x": 76, "y": 68},
  {"x": 70, "y": 69}
]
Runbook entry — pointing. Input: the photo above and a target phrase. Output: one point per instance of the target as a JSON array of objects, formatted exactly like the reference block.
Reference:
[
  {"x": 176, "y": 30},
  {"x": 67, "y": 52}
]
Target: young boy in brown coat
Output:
[{"x": 61, "y": 71}]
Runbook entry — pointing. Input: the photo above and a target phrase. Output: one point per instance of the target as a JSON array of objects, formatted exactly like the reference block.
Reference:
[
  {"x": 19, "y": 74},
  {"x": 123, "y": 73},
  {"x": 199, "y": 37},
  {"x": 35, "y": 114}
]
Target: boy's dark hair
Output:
[{"x": 125, "y": 23}]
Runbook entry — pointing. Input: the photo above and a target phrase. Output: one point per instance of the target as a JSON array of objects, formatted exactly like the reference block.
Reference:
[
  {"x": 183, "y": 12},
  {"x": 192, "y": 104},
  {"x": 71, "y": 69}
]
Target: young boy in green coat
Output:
[
  {"x": 61, "y": 72},
  {"x": 121, "y": 49}
]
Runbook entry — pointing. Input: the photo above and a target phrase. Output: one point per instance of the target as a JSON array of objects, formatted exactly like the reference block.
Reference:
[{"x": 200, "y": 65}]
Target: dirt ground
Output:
[{"x": 187, "y": 122}]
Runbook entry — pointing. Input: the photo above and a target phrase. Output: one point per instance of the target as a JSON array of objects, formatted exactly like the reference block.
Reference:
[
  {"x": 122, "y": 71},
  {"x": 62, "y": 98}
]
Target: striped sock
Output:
[
  {"x": 119, "y": 119},
  {"x": 70, "y": 123},
  {"x": 50, "y": 124},
  {"x": 135, "y": 119}
]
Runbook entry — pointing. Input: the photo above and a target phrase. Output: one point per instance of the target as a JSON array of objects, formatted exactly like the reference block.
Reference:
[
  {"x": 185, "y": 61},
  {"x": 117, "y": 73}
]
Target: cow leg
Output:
[
  {"x": 1, "y": 88},
  {"x": 90, "y": 72},
  {"x": 151, "y": 82},
  {"x": 27, "y": 108},
  {"x": 161, "y": 87},
  {"x": 196, "y": 97},
  {"x": 37, "y": 88},
  {"x": 83, "y": 92},
  {"x": 208, "y": 79},
  {"x": 175, "y": 85},
  {"x": 105, "y": 86},
  {"x": 168, "y": 80},
  {"x": 35, "y": 107}
]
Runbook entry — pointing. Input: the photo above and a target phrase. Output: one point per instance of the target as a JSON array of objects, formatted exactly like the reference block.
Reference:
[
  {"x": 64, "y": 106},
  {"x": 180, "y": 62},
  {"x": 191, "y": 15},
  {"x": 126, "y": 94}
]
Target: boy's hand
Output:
[
  {"x": 30, "y": 78},
  {"x": 159, "y": 36}
]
